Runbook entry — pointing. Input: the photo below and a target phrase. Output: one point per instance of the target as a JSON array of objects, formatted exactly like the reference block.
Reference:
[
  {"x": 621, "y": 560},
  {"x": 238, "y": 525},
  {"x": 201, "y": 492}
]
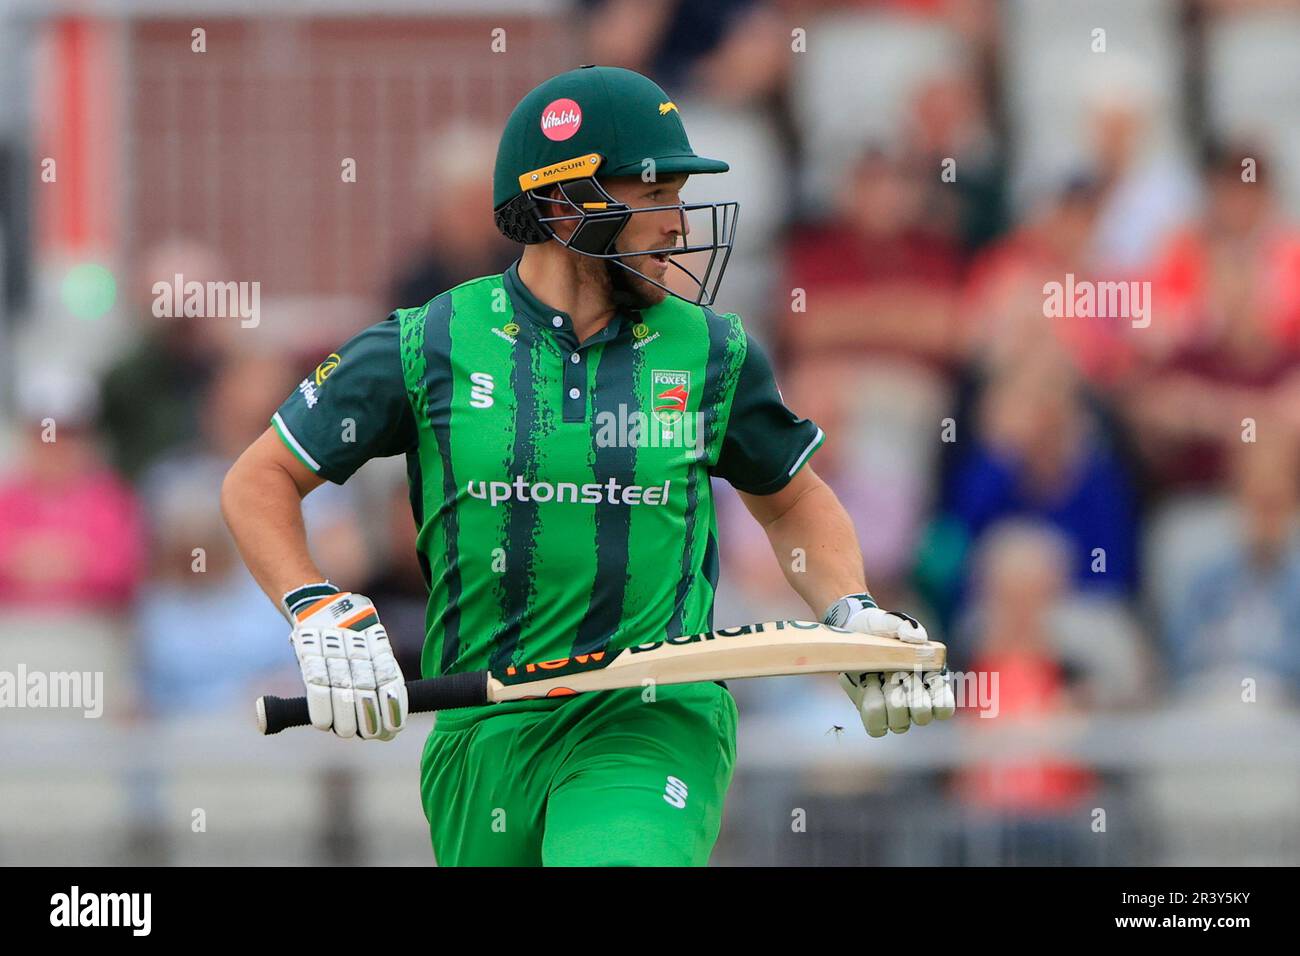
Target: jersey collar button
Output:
[
  {"x": 574, "y": 393},
  {"x": 574, "y": 358},
  {"x": 557, "y": 321}
]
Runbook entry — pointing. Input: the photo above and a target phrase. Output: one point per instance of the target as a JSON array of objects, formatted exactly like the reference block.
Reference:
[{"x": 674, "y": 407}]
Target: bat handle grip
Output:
[{"x": 275, "y": 714}]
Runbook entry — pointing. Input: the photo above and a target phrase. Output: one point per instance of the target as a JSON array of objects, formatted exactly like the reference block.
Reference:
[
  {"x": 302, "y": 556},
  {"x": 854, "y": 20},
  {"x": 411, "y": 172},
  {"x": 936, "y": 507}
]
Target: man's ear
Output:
[
  {"x": 595, "y": 235},
  {"x": 560, "y": 208}
]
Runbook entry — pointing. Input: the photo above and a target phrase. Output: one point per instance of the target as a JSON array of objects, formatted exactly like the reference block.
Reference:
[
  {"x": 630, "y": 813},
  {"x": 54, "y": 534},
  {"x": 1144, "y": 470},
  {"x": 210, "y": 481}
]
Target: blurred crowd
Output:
[{"x": 1103, "y": 510}]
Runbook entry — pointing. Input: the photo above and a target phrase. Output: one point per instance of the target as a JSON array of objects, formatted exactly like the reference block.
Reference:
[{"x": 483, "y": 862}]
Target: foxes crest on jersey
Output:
[{"x": 670, "y": 393}]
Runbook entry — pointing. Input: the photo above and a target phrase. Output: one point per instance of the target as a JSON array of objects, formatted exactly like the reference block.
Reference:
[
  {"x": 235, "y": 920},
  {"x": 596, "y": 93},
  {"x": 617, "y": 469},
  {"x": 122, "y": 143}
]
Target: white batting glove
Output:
[
  {"x": 354, "y": 686},
  {"x": 895, "y": 700}
]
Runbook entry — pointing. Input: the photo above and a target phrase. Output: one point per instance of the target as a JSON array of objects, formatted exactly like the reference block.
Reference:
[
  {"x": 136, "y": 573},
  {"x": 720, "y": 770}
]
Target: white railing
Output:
[{"x": 1205, "y": 787}]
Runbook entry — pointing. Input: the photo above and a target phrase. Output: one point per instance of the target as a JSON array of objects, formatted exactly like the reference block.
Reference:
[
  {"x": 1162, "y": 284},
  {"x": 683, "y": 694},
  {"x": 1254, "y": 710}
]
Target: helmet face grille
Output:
[{"x": 522, "y": 220}]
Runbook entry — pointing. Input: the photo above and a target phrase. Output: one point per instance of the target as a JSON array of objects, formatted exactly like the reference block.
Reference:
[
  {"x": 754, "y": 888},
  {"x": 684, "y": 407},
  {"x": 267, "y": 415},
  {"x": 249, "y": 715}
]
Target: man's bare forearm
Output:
[
  {"x": 262, "y": 505},
  {"x": 817, "y": 546}
]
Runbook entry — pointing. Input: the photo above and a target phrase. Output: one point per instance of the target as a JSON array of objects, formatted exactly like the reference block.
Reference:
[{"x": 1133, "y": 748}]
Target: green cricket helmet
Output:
[{"x": 593, "y": 122}]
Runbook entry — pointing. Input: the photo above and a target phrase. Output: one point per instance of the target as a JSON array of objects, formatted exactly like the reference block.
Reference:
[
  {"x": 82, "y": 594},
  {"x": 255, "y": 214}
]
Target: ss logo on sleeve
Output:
[
  {"x": 675, "y": 792},
  {"x": 480, "y": 392}
]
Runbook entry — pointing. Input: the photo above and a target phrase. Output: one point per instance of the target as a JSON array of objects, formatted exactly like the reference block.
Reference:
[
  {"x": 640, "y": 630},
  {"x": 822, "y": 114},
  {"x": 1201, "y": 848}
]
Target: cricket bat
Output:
[{"x": 769, "y": 649}]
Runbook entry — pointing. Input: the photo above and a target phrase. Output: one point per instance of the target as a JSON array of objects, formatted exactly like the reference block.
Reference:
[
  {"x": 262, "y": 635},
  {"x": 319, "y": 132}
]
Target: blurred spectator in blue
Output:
[
  {"x": 150, "y": 395},
  {"x": 207, "y": 632},
  {"x": 208, "y": 637},
  {"x": 733, "y": 50},
  {"x": 71, "y": 533},
  {"x": 1038, "y": 451},
  {"x": 880, "y": 278},
  {"x": 458, "y": 238},
  {"x": 1240, "y": 617}
]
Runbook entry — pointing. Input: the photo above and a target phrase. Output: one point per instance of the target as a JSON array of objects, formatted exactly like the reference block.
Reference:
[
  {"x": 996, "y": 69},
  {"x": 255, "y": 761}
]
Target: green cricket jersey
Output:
[{"x": 561, "y": 489}]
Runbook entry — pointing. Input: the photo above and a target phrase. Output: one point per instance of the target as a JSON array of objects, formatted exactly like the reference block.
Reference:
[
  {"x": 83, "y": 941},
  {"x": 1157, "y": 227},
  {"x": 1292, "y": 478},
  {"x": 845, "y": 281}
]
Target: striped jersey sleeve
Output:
[
  {"x": 765, "y": 443},
  {"x": 352, "y": 407}
]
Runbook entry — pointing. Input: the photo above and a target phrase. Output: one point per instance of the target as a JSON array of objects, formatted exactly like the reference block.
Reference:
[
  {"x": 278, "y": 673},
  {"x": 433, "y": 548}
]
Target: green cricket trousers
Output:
[{"x": 633, "y": 777}]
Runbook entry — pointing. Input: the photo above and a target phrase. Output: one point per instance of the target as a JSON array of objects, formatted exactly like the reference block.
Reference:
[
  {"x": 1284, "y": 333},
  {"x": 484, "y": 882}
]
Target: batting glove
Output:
[
  {"x": 354, "y": 685},
  {"x": 895, "y": 700}
]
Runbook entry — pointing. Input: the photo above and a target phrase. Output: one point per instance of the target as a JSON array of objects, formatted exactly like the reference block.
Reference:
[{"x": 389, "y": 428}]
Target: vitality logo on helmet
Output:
[{"x": 561, "y": 120}]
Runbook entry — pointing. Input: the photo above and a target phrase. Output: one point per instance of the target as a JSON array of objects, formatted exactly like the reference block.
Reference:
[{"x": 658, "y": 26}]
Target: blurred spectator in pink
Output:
[
  {"x": 1003, "y": 307},
  {"x": 150, "y": 395},
  {"x": 71, "y": 534},
  {"x": 458, "y": 239},
  {"x": 878, "y": 278},
  {"x": 1240, "y": 617},
  {"x": 1022, "y": 576},
  {"x": 1242, "y": 253},
  {"x": 1224, "y": 349}
]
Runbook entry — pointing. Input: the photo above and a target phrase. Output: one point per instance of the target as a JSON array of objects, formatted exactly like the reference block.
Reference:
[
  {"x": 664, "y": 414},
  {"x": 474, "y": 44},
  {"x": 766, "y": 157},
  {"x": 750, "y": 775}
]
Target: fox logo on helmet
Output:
[{"x": 561, "y": 119}]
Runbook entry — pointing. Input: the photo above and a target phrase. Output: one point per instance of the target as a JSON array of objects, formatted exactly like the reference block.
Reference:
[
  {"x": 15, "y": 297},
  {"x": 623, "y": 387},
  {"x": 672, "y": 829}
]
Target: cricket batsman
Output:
[{"x": 561, "y": 423}]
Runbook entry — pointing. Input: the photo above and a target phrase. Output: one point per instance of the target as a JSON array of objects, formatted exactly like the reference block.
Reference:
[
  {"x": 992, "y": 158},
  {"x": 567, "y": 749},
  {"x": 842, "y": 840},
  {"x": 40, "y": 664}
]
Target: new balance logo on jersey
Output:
[
  {"x": 592, "y": 493},
  {"x": 480, "y": 392}
]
